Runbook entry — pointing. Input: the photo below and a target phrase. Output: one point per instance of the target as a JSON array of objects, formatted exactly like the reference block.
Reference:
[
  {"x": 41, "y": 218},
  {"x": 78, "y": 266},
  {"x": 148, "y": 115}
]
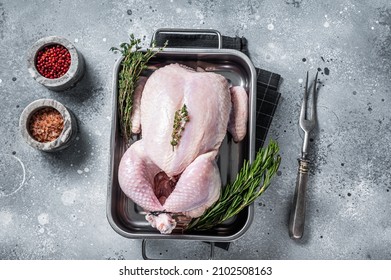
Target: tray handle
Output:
[
  {"x": 176, "y": 31},
  {"x": 145, "y": 257}
]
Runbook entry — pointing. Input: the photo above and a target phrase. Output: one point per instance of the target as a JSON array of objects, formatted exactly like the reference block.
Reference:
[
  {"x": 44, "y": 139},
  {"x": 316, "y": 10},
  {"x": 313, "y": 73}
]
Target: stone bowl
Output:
[
  {"x": 70, "y": 78},
  {"x": 67, "y": 135}
]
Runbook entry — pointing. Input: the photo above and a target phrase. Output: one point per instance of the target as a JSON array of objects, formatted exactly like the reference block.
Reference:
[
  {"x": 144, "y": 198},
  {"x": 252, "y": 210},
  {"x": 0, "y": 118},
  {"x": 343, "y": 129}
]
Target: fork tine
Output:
[
  {"x": 306, "y": 84},
  {"x": 303, "y": 112},
  {"x": 313, "y": 110}
]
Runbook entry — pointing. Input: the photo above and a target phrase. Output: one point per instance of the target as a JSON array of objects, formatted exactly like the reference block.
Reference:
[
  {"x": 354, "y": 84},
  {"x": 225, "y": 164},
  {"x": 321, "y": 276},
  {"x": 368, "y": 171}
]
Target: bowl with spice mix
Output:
[
  {"x": 47, "y": 125},
  {"x": 55, "y": 63}
]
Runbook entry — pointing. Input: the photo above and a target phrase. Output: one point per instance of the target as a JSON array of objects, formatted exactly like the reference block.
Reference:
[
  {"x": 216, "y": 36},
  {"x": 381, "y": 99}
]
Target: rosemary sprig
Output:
[
  {"x": 133, "y": 63},
  {"x": 251, "y": 181},
  {"x": 181, "y": 117}
]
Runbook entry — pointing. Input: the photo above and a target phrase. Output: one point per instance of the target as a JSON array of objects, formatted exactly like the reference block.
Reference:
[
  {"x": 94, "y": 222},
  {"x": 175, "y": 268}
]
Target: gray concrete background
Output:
[{"x": 53, "y": 206}]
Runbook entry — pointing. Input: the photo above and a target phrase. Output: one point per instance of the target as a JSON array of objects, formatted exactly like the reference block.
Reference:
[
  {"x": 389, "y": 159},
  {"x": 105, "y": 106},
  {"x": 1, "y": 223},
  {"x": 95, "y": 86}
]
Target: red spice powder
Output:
[
  {"x": 46, "y": 125},
  {"x": 53, "y": 61}
]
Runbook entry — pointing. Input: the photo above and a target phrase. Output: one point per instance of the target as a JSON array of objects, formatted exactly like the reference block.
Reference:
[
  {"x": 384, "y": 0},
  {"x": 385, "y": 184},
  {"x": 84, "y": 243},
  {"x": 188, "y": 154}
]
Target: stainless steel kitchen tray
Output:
[{"x": 126, "y": 218}]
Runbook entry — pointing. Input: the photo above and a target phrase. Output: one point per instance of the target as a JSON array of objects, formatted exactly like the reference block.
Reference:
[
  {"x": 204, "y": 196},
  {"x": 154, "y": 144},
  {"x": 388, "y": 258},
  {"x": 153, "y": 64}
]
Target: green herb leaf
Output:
[
  {"x": 181, "y": 117},
  {"x": 133, "y": 63},
  {"x": 251, "y": 182}
]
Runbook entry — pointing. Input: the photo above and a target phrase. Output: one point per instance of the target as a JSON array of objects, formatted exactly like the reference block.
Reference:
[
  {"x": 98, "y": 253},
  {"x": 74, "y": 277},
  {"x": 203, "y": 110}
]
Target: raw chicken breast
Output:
[
  {"x": 208, "y": 102},
  {"x": 136, "y": 111}
]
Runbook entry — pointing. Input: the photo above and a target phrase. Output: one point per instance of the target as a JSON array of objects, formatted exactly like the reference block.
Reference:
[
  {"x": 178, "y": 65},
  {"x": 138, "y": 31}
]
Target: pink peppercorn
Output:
[{"x": 53, "y": 61}]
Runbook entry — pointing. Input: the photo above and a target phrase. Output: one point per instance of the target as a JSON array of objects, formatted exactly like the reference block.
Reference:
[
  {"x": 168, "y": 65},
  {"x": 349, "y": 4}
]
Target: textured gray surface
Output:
[{"x": 53, "y": 206}]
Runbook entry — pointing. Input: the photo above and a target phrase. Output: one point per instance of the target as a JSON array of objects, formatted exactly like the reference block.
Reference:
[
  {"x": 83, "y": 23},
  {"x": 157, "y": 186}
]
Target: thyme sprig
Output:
[
  {"x": 251, "y": 182},
  {"x": 133, "y": 64},
  {"x": 181, "y": 117}
]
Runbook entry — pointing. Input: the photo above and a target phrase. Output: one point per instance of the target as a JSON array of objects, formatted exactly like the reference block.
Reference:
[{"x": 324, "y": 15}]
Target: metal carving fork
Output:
[{"x": 307, "y": 124}]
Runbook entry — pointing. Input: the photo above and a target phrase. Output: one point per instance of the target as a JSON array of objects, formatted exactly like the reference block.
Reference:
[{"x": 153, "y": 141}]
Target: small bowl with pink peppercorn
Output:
[{"x": 55, "y": 63}]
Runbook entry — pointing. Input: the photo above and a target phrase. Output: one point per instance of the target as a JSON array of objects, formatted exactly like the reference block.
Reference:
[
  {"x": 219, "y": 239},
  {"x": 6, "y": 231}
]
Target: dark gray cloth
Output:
[{"x": 267, "y": 82}]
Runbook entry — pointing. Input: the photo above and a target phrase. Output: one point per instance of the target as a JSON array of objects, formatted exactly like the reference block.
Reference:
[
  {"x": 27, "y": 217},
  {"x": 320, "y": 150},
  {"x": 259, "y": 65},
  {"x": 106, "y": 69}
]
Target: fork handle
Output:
[{"x": 297, "y": 215}]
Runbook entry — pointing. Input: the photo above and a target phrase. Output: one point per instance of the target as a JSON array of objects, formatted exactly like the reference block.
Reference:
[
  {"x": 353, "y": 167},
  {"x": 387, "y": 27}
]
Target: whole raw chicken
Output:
[{"x": 183, "y": 179}]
